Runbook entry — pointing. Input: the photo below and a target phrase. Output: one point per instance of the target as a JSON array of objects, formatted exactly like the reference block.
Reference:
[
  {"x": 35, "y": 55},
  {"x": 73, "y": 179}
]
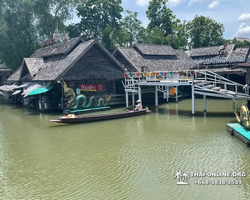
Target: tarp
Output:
[
  {"x": 17, "y": 92},
  {"x": 8, "y": 87},
  {"x": 40, "y": 90},
  {"x": 25, "y": 85},
  {"x": 29, "y": 89}
]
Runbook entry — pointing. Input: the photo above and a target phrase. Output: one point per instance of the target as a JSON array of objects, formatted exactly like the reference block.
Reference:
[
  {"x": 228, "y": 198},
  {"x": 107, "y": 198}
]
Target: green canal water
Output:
[{"x": 133, "y": 158}]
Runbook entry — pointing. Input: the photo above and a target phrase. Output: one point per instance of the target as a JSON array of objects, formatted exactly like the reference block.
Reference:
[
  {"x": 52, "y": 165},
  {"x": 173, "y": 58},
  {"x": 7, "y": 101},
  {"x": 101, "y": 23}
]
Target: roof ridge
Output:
[{"x": 155, "y": 44}]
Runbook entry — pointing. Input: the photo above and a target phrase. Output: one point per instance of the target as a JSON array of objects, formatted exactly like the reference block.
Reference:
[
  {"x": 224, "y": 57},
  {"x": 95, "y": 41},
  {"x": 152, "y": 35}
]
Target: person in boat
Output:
[{"x": 138, "y": 107}]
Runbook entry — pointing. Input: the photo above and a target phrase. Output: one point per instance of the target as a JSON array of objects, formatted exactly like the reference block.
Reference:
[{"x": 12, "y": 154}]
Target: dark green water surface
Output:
[{"x": 132, "y": 158}]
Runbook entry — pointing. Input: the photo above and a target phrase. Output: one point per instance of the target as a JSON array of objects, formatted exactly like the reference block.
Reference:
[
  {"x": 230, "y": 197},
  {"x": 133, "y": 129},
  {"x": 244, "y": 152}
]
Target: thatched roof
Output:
[
  {"x": 33, "y": 65},
  {"x": 53, "y": 62},
  {"x": 155, "y": 50},
  {"x": 55, "y": 67},
  {"x": 16, "y": 75},
  {"x": 224, "y": 56},
  {"x": 209, "y": 51},
  {"x": 153, "y": 62},
  {"x": 56, "y": 49}
]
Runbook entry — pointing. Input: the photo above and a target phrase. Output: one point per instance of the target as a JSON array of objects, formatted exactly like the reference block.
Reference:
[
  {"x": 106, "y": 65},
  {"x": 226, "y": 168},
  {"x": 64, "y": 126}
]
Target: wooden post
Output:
[
  {"x": 126, "y": 99},
  {"x": 139, "y": 93},
  {"x": 176, "y": 93},
  {"x": 62, "y": 99},
  {"x": 156, "y": 96},
  {"x": 204, "y": 103},
  {"x": 193, "y": 100},
  {"x": 133, "y": 98},
  {"x": 167, "y": 94}
]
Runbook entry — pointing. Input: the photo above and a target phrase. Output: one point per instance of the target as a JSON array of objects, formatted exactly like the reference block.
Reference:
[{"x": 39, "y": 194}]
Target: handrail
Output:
[{"x": 201, "y": 77}]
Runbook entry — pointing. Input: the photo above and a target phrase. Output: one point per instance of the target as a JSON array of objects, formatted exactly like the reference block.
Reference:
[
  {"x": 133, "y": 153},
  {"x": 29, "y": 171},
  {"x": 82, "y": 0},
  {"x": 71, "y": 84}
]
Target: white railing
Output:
[{"x": 199, "y": 78}]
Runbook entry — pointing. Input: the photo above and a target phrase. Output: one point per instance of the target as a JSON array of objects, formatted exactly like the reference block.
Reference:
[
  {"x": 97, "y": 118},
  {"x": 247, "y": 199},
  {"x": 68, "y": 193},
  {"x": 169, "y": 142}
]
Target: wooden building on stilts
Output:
[
  {"x": 222, "y": 60},
  {"x": 85, "y": 67}
]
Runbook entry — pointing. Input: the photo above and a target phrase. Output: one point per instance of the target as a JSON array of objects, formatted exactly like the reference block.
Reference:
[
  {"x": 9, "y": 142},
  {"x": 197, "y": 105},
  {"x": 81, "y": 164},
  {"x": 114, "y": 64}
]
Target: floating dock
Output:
[{"x": 240, "y": 132}]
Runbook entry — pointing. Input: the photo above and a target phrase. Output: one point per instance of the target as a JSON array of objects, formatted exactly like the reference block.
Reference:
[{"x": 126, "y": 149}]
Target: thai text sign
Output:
[
  {"x": 100, "y": 88},
  {"x": 88, "y": 87}
]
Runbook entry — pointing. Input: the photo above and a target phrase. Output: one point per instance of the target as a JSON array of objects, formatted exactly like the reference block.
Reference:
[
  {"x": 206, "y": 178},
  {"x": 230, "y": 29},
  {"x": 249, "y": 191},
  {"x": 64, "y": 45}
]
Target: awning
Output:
[
  {"x": 40, "y": 90},
  {"x": 8, "y": 87},
  {"x": 17, "y": 92},
  {"x": 25, "y": 85}
]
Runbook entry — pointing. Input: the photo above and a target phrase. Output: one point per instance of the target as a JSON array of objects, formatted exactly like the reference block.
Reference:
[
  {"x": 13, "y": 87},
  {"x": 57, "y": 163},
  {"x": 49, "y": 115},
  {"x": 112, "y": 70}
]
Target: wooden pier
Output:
[
  {"x": 240, "y": 132},
  {"x": 202, "y": 82}
]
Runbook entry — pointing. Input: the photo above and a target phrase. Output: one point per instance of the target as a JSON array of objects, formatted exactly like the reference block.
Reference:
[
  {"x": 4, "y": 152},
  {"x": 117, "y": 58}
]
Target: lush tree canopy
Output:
[
  {"x": 160, "y": 16},
  {"x": 24, "y": 23},
  {"x": 133, "y": 26},
  {"x": 204, "y": 31},
  {"x": 239, "y": 43},
  {"x": 96, "y": 15}
]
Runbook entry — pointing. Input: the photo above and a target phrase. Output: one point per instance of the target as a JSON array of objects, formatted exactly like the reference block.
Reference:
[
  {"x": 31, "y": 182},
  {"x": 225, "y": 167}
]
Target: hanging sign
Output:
[
  {"x": 100, "y": 88},
  {"x": 88, "y": 87}
]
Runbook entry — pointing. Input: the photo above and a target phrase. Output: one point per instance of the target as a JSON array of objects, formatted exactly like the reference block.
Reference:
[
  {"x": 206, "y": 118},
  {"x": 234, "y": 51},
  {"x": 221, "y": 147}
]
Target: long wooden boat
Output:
[{"x": 92, "y": 118}]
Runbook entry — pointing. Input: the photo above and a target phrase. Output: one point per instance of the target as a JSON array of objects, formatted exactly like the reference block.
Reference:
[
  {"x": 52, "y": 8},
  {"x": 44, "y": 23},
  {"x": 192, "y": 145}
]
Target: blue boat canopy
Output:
[{"x": 40, "y": 90}]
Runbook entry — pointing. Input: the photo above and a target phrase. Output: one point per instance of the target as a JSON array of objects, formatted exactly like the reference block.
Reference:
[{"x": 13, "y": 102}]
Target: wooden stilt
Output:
[
  {"x": 204, "y": 103},
  {"x": 127, "y": 100},
  {"x": 193, "y": 101},
  {"x": 156, "y": 96}
]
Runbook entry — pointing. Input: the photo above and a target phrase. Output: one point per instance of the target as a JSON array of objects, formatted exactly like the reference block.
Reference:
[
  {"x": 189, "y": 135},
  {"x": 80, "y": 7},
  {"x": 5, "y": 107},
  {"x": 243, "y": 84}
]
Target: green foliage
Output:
[
  {"x": 156, "y": 36},
  {"x": 96, "y": 15},
  {"x": 133, "y": 26},
  {"x": 160, "y": 16},
  {"x": 239, "y": 43},
  {"x": 23, "y": 22},
  {"x": 17, "y": 35},
  {"x": 111, "y": 38},
  {"x": 204, "y": 31}
]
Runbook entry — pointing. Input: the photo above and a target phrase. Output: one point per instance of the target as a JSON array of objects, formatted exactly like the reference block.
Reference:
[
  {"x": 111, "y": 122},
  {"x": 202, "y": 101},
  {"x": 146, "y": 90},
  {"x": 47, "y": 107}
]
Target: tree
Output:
[
  {"x": 17, "y": 33},
  {"x": 237, "y": 43},
  {"x": 51, "y": 16},
  {"x": 156, "y": 36},
  {"x": 160, "y": 16},
  {"x": 204, "y": 31},
  {"x": 133, "y": 26},
  {"x": 23, "y": 22},
  {"x": 111, "y": 38},
  {"x": 96, "y": 15}
]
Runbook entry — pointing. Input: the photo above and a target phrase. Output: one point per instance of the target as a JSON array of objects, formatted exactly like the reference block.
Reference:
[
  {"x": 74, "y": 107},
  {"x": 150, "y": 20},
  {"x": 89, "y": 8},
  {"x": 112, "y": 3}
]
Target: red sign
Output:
[
  {"x": 100, "y": 87},
  {"x": 87, "y": 87}
]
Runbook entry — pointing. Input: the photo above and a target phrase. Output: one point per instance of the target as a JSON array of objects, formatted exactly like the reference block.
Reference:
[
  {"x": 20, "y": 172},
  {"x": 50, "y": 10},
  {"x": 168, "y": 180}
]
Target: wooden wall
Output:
[{"x": 94, "y": 64}]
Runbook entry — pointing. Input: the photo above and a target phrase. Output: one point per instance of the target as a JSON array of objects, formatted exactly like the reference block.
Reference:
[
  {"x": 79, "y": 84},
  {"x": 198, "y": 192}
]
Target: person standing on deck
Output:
[{"x": 139, "y": 105}]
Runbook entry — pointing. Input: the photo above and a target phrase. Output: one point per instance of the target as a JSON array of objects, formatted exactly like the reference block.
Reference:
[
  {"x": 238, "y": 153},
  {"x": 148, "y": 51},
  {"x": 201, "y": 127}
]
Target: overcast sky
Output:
[{"x": 233, "y": 14}]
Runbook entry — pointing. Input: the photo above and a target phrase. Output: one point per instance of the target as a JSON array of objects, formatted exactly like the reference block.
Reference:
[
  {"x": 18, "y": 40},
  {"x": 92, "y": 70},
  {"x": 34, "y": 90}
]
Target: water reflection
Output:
[{"x": 132, "y": 158}]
